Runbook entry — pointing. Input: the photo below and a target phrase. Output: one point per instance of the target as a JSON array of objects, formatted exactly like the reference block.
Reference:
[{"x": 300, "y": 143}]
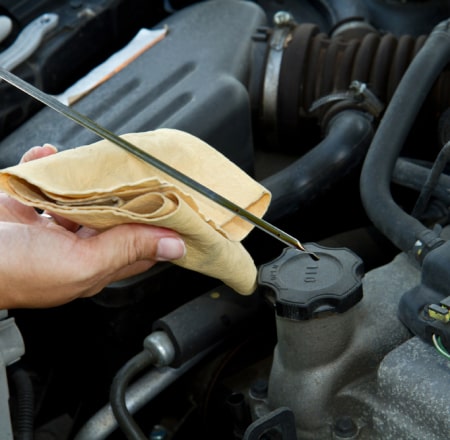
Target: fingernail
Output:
[
  {"x": 50, "y": 146},
  {"x": 170, "y": 249}
]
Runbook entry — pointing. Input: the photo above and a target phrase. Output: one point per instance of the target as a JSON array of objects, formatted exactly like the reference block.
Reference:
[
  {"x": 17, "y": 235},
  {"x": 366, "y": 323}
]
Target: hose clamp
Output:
[
  {"x": 358, "y": 94},
  {"x": 280, "y": 37}
]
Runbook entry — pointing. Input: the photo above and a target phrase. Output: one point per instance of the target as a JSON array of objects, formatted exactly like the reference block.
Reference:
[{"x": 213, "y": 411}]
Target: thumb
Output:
[{"x": 127, "y": 244}]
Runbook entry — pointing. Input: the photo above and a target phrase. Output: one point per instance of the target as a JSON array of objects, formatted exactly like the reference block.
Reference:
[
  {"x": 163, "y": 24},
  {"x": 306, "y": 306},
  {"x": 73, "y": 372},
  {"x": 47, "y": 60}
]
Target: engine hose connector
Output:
[{"x": 310, "y": 65}]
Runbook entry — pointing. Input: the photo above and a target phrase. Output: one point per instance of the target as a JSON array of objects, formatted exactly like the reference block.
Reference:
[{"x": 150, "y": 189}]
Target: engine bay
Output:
[{"x": 341, "y": 110}]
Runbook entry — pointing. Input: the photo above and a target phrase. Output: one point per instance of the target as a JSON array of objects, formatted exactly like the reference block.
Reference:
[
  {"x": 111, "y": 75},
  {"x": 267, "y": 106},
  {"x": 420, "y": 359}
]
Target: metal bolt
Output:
[
  {"x": 259, "y": 388},
  {"x": 283, "y": 18}
]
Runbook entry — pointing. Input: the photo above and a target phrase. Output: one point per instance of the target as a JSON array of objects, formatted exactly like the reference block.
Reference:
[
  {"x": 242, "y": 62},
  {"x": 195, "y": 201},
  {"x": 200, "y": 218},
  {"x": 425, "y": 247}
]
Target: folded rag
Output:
[{"x": 101, "y": 185}]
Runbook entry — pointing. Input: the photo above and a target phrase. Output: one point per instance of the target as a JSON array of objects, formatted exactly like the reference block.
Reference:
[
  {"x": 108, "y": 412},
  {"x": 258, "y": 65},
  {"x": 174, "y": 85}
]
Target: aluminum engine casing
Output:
[{"x": 364, "y": 365}]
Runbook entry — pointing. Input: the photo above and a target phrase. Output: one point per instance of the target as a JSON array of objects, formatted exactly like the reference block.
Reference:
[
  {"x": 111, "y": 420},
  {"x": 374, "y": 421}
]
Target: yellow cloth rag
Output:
[{"x": 101, "y": 185}]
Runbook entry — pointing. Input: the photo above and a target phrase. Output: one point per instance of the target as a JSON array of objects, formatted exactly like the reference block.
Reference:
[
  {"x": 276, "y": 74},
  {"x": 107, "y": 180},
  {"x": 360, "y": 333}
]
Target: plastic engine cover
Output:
[
  {"x": 193, "y": 80},
  {"x": 67, "y": 51}
]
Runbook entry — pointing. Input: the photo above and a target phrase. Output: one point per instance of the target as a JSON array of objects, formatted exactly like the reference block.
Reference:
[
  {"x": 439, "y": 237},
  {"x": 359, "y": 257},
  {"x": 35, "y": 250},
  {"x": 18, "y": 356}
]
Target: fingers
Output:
[
  {"x": 61, "y": 221},
  {"x": 126, "y": 250},
  {"x": 169, "y": 248},
  {"x": 135, "y": 242},
  {"x": 38, "y": 152},
  {"x": 132, "y": 270},
  {"x": 61, "y": 266},
  {"x": 73, "y": 262}
]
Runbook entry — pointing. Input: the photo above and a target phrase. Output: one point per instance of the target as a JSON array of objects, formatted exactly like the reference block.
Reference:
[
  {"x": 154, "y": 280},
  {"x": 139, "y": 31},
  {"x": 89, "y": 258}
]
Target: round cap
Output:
[{"x": 305, "y": 288}]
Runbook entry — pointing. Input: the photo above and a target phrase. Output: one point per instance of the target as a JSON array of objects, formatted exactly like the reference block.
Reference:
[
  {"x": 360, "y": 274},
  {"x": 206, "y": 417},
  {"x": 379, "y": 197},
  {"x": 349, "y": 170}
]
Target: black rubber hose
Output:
[
  {"x": 343, "y": 10},
  {"x": 432, "y": 180},
  {"x": 414, "y": 175},
  {"x": 401, "y": 228},
  {"x": 24, "y": 416},
  {"x": 117, "y": 394},
  {"x": 344, "y": 146}
]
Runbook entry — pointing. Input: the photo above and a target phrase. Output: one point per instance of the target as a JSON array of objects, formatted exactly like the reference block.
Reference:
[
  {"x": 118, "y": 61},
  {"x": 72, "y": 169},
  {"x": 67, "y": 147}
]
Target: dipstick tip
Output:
[{"x": 314, "y": 256}]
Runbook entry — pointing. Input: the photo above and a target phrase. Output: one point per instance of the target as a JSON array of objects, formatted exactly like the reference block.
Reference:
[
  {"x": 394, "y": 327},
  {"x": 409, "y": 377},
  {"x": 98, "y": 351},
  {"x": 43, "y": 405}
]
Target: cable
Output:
[
  {"x": 432, "y": 180},
  {"x": 440, "y": 347},
  {"x": 405, "y": 231},
  {"x": 117, "y": 394}
]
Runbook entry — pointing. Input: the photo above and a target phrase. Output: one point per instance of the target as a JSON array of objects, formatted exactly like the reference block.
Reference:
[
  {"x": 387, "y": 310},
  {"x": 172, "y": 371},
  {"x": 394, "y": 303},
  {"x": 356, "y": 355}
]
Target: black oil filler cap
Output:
[{"x": 305, "y": 288}]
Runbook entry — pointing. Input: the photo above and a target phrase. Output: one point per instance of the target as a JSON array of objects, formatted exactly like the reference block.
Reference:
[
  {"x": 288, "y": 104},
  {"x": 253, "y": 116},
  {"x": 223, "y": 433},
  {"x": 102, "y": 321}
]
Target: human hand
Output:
[{"x": 49, "y": 261}]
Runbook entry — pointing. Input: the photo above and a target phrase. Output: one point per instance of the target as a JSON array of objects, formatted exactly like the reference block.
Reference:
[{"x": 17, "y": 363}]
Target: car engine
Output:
[{"x": 341, "y": 109}]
